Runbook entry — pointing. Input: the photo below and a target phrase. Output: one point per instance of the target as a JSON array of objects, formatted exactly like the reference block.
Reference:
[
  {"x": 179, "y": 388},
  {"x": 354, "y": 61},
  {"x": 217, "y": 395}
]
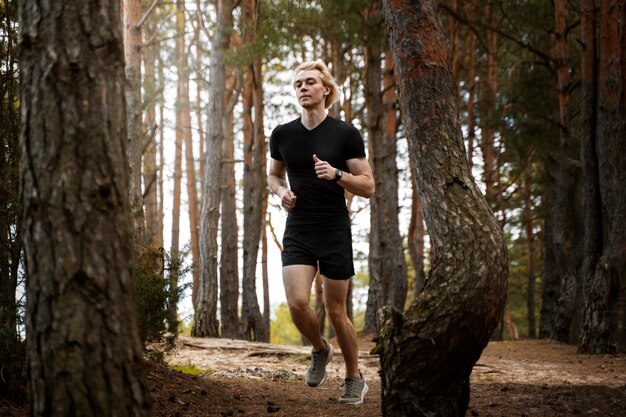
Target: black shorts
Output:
[{"x": 331, "y": 248}]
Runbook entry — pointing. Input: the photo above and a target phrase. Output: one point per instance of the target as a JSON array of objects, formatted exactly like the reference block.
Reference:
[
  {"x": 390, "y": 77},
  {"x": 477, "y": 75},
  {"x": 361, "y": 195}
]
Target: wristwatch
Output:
[{"x": 338, "y": 174}]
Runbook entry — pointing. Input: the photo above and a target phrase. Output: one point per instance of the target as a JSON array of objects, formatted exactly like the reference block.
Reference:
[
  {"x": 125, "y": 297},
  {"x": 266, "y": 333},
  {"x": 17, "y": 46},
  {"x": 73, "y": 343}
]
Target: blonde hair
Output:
[{"x": 327, "y": 79}]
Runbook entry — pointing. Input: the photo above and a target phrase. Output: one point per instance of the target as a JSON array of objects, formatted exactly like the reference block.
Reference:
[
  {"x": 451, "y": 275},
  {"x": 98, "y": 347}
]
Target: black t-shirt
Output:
[{"x": 320, "y": 203}]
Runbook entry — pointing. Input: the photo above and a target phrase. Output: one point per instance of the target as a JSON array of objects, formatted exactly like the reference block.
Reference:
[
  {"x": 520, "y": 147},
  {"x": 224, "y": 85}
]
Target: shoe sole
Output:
[
  {"x": 330, "y": 356},
  {"x": 363, "y": 392}
]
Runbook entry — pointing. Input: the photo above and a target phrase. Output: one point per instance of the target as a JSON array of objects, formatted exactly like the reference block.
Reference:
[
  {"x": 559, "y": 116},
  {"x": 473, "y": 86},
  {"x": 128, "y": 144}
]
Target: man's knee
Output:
[{"x": 336, "y": 313}]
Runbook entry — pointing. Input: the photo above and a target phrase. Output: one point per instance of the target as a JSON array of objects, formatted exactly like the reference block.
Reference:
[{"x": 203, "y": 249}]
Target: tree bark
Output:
[
  {"x": 428, "y": 354},
  {"x": 229, "y": 268},
  {"x": 252, "y": 323},
  {"x": 85, "y": 356},
  {"x": 565, "y": 211},
  {"x": 604, "y": 169},
  {"x": 132, "y": 49},
  {"x": 206, "y": 323}
]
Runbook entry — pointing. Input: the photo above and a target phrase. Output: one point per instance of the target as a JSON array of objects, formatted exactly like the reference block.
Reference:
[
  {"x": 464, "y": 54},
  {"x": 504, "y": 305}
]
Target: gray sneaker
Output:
[
  {"x": 316, "y": 374},
  {"x": 353, "y": 391}
]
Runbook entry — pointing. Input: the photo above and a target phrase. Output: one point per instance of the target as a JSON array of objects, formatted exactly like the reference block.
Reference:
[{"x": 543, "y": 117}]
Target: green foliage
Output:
[
  {"x": 191, "y": 369},
  {"x": 282, "y": 329},
  {"x": 13, "y": 362},
  {"x": 155, "y": 295}
]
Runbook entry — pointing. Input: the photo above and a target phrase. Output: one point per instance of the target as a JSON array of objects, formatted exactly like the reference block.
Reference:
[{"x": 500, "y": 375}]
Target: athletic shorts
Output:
[{"x": 331, "y": 248}]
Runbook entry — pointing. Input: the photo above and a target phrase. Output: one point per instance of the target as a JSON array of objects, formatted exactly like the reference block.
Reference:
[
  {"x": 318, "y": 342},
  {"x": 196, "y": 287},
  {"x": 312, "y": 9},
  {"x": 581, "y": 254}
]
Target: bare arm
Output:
[
  {"x": 277, "y": 182},
  {"x": 359, "y": 181}
]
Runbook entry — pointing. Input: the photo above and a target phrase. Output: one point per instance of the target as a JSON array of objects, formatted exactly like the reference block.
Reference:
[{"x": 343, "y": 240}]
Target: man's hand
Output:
[
  {"x": 287, "y": 199},
  {"x": 323, "y": 169}
]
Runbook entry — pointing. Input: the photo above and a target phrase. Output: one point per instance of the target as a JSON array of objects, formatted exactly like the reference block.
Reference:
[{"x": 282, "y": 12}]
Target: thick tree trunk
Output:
[
  {"x": 206, "y": 323},
  {"x": 387, "y": 266},
  {"x": 604, "y": 165},
  {"x": 132, "y": 49},
  {"x": 564, "y": 210},
  {"x": 428, "y": 354},
  {"x": 84, "y": 351}
]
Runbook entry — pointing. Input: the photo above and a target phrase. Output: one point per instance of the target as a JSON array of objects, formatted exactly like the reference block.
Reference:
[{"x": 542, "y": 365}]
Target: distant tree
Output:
[
  {"x": 132, "y": 50},
  {"x": 12, "y": 345},
  {"x": 427, "y": 354},
  {"x": 84, "y": 352},
  {"x": 252, "y": 322},
  {"x": 387, "y": 265},
  {"x": 206, "y": 323}
]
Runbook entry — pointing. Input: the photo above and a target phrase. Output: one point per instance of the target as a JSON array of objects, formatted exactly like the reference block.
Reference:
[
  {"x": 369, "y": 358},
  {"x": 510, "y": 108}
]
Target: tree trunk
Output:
[
  {"x": 428, "y": 354},
  {"x": 416, "y": 238},
  {"x": 183, "y": 109},
  {"x": 527, "y": 217},
  {"x": 252, "y": 323},
  {"x": 201, "y": 140},
  {"x": 387, "y": 266},
  {"x": 471, "y": 87},
  {"x": 178, "y": 163},
  {"x": 134, "y": 108},
  {"x": 206, "y": 323},
  {"x": 85, "y": 356},
  {"x": 604, "y": 169},
  {"x": 488, "y": 115},
  {"x": 565, "y": 211},
  {"x": 229, "y": 268},
  {"x": 150, "y": 160}
]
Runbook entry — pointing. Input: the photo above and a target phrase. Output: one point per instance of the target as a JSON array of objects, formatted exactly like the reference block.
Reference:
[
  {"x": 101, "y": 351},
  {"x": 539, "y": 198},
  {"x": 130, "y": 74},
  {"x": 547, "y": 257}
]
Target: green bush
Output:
[{"x": 157, "y": 294}]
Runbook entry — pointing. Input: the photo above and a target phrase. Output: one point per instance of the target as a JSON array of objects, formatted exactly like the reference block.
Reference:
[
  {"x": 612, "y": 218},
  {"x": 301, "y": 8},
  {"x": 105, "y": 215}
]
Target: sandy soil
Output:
[{"x": 537, "y": 378}]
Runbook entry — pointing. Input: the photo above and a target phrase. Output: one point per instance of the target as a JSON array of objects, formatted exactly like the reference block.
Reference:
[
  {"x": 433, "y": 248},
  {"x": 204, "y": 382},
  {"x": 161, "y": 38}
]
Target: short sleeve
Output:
[
  {"x": 354, "y": 147},
  {"x": 274, "y": 142}
]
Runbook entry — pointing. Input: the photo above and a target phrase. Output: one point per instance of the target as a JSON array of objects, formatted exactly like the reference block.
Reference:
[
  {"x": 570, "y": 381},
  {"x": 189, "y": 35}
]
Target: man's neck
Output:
[{"x": 311, "y": 118}]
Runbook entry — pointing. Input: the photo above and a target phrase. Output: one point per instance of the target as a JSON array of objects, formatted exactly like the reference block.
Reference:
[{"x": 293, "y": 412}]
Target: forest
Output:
[{"x": 134, "y": 203}]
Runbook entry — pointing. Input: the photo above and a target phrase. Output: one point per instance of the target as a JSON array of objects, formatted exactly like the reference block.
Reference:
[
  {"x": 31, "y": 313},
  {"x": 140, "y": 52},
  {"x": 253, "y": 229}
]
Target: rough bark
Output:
[
  {"x": 416, "y": 238},
  {"x": 132, "y": 50},
  {"x": 229, "y": 265},
  {"x": 85, "y": 356},
  {"x": 565, "y": 211},
  {"x": 206, "y": 323},
  {"x": 604, "y": 161},
  {"x": 387, "y": 266},
  {"x": 428, "y": 354},
  {"x": 254, "y": 183}
]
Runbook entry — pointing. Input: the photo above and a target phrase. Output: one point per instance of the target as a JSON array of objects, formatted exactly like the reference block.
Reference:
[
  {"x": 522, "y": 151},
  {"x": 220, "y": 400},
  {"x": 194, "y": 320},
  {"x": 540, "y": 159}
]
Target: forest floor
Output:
[{"x": 530, "y": 378}]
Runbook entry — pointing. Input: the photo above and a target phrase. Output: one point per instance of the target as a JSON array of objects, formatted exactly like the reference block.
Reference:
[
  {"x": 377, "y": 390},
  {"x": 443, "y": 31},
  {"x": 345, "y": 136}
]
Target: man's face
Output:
[{"x": 310, "y": 91}]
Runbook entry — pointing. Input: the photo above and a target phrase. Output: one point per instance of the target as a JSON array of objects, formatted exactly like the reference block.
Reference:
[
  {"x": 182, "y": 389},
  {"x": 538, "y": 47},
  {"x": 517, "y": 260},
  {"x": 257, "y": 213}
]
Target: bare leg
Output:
[
  {"x": 335, "y": 293},
  {"x": 297, "y": 280}
]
